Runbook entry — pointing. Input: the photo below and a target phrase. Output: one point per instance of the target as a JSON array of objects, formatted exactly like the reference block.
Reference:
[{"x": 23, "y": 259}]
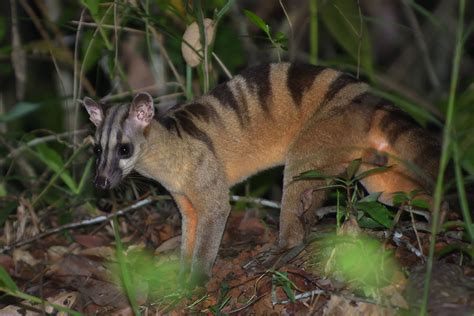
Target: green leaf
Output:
[
  {"x": 368, "y": 222},
  {"x": 92, "y": 5},
  {"x": 312, "y": 175},
  {"x": 353, "y": 168},
  {"x": 223, "y": 10},
  {"x": 342, "y": 19},
  {"x": 54, "y": 161},
  {"x": 420, "y": 204},
  {"x": 377, "y": 211},
  {"x": 372, "y": 197},
  {"x": 19, "y": 110},
  {"x": 289, "y": 291},
  {"x": 85, "y": 175},
  {"x": 255, "y": 19},
  {"x": 369, "y": 172},
  {"x": 400, "y": 198},
  {"x": 6, "y": 281}
]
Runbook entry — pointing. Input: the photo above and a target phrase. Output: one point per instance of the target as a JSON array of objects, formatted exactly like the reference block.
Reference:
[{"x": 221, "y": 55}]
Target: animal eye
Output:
[
  {"x": 97, "y": 150},
  {"x": 125, "y": 151}
]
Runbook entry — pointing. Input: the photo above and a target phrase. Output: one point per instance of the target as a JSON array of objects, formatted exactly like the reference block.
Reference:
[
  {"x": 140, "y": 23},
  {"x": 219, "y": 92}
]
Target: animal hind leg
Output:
[{"x": 302, "y": 197}]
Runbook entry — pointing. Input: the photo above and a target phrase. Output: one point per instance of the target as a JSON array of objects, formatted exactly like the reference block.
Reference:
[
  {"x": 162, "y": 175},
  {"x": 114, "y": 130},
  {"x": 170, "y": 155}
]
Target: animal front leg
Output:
[
  {"x": 210, "y": 228},
  {"x": 188, "y": 235}
]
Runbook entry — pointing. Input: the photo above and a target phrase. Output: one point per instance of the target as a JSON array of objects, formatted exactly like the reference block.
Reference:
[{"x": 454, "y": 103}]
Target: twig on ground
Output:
[
  {"x": 397, "y": 238},
  {"x": 135, "y": 206},
  {"x": 303, "y": 296},
  {"x": 263, "y": 202},
  {"x": 86, "y": 222}
]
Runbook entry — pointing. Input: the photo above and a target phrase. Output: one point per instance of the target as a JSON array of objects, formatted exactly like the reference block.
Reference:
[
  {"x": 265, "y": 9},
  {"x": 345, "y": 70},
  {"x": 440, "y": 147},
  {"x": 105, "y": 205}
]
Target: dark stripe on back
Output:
[
  {"x": 300, "y": 79},
  {"x": 258, "y": 80},
  {"x": 337, "y": 85},
  {"x": 224, "y": 94},
  {"x": 169, "y": 123},
  {"x": 203, "y": 112},
  {"x": 187, "y": 125},
  {"x": 369, "y": 99},
  {"x": 396, "y": 122}
]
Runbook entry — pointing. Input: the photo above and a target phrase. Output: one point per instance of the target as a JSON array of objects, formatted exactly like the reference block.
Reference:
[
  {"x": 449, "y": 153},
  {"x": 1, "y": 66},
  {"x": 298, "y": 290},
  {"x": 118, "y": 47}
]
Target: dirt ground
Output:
[{"x": 77, "y": 269}]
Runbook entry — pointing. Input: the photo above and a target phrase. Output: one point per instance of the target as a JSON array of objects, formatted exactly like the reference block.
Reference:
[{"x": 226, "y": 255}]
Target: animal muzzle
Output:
[
  {"x": 102, "y": 182},
  {"x": 105, "y": 182}
]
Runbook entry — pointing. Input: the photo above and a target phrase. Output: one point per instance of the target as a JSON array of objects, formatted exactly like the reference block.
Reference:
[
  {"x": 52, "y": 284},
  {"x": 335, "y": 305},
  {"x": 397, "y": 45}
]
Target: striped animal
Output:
[{"x": 301, "y": 116}]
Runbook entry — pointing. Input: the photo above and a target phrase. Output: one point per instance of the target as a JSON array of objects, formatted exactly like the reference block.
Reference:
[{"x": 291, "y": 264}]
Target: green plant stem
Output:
[
  {"x": 189, "y": 83},
  {"x": 447, "y": 132},
  {"x": 124, "y": 272},
  {"x": 313, "y": 31}
]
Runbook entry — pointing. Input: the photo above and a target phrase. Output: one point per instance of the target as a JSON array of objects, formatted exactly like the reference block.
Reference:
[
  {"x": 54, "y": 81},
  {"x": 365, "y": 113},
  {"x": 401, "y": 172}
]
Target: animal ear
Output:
[
  {"x": 96, "y": 114},
  {"x": 142, "y": 110}
]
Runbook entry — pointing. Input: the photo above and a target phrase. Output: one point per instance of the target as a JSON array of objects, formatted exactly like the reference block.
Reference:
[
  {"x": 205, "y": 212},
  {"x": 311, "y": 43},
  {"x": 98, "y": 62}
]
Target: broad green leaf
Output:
[
  {"x": 353, "y": 168},
  {"x": 420, "y": 204},
  {"x": 92, "y": 5},
  {"x": 255, "y": 19},
  {"x": 312, "y": 175},
  {"x": 7, "y": 281},
  {"x": 92, "y": 48},
  {"x": 342, "y": 19},
  {"x": 54, "y": 161},
  {"x": 400, "y": 198},
  {"x": 372, "y": 197},
  {"x": 377, "y": 211},
  {"x": 85, "y": 175},
  {"x": 368, "y": 222},
  {"x": 371, "y": 171},
  {"x": 19, "y": 110},
  {"x": 289, "y": 291}
]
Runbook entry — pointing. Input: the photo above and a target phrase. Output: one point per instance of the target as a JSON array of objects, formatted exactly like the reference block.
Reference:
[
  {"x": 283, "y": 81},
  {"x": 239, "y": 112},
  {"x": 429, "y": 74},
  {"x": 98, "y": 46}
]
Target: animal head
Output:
[{"x": 119, "y": 137}]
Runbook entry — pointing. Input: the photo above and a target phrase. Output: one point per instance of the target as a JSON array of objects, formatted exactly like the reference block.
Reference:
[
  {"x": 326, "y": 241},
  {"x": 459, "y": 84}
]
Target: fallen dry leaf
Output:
[
  {"x": 90, "y": 241},
  {"x": 55, "y": 253},
  {"x": 24, "y": 256},
  {"x": 64, "y": 299},
  {"x": 168, "y": 245}
]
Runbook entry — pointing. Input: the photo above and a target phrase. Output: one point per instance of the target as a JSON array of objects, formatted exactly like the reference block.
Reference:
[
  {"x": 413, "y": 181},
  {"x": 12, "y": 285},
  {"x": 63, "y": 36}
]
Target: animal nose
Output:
[{"x": 102, "y": 182}]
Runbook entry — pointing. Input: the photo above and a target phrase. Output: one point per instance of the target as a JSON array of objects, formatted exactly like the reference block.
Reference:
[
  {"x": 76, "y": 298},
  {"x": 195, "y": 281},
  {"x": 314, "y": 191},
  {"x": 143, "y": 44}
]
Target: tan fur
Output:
[{"x": 299, "y": 116}]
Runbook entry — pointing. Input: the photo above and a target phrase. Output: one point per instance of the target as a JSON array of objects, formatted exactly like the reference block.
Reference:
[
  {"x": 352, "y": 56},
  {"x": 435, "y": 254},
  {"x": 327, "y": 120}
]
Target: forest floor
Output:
[{"x": 77, "y": 268}]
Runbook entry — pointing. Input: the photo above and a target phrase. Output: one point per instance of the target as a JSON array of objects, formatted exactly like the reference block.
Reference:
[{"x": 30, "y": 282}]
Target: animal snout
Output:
[{"x": 102, "y": 182}]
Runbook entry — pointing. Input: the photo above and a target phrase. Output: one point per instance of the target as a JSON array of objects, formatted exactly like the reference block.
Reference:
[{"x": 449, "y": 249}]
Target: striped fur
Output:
[{"x": 300, "y": 116}]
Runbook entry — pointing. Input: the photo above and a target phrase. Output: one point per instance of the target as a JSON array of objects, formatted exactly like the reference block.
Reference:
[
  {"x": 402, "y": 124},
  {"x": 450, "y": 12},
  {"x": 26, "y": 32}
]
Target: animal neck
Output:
[{"x": 162, "y": 156}]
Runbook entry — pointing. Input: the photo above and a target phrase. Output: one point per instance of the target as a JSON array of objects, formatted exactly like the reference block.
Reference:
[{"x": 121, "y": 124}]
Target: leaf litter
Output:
[{"x": 77, "y": 269}]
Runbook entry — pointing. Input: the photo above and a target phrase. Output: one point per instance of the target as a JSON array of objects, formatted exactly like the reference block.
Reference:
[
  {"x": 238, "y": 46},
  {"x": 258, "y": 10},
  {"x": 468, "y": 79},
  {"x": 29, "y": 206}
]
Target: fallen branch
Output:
[{"x": 135, "y": 206}]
